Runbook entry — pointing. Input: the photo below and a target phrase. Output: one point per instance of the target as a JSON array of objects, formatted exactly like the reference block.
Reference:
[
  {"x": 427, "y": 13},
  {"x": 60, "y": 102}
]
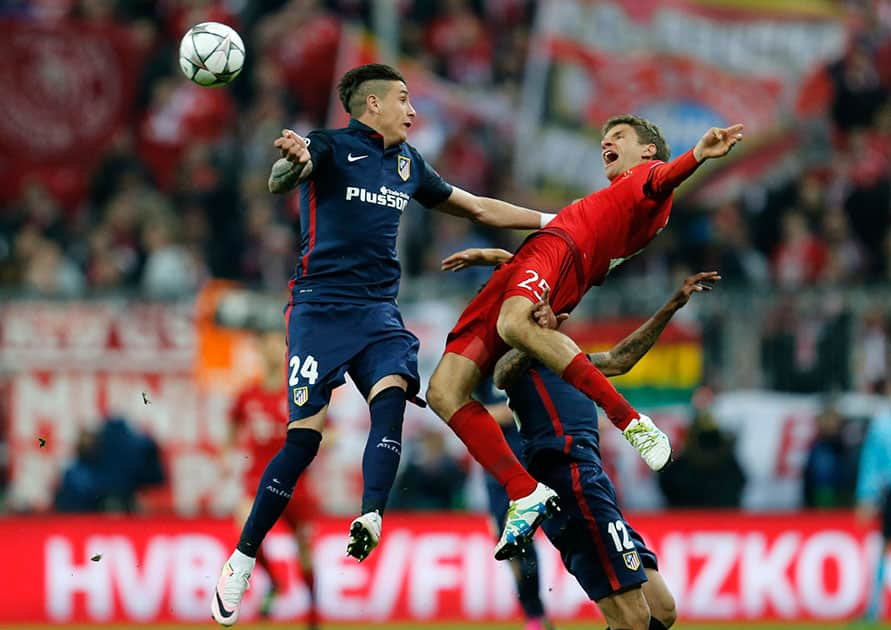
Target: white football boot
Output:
[
  {"x": 649, "y": 440},
  {"x": 365, "y": 535},
  {"x": 227, "y": 596}
]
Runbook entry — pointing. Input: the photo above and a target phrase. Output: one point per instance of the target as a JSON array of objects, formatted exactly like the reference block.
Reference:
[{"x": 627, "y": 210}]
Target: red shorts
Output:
[
  {"x": 545, "y": 260},
  {"x": 302, "y": 509}
]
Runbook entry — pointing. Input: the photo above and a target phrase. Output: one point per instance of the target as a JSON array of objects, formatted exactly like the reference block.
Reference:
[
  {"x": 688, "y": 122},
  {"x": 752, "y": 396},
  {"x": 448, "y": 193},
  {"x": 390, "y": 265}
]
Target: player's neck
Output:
[{"x": 388, "y": 141}]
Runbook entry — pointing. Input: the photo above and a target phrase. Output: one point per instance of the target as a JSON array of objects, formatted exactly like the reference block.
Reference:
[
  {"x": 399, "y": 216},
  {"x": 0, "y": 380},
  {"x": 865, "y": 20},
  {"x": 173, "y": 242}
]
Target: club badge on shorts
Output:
[
  {"x": 632, "y": 560},
  {"x": 301, "y": 395},
  {"x": 403, "y": 167}
]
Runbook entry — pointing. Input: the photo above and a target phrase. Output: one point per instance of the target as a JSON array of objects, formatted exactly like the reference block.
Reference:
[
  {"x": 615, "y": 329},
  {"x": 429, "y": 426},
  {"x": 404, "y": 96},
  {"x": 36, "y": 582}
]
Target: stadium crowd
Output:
[{"x": 179, "y": 194}]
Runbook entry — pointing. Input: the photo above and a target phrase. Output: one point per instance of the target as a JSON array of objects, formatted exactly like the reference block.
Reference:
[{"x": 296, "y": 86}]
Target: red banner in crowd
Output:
[
  {"x": 67, "y": 88},
  {"x": 428, "y": 567}
]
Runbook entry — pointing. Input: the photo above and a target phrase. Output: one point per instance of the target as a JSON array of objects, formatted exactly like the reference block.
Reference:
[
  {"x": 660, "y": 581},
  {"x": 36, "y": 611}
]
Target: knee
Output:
[
  {"x": 665, "y": 612},
  {"x": 511, "y": 327},
  {"x": 635, "y": 616},
  {"x": 440, "y": 398}
]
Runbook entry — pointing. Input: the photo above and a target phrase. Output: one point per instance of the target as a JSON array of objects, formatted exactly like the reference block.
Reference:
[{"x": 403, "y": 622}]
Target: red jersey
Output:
[
  {"x": 613, "y": 224},
  {"x": 260, "y": 418}
]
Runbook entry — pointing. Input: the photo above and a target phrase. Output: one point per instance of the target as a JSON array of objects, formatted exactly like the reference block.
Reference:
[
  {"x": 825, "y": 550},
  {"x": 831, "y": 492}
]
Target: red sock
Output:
[
  {"x": 592, "y": 383},
  {"x": 483, "y": 438}
]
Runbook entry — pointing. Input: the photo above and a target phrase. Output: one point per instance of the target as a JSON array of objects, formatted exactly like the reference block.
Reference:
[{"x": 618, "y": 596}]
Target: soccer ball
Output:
[{"x": 211, "y": 54}]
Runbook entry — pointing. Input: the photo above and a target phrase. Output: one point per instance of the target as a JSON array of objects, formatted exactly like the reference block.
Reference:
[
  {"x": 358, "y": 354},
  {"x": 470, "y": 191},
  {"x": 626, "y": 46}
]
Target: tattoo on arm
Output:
[
  {"x": 631, "y": 349},
  {"x": 510, "y": 367},
  {"x": 286, "y": 175}
]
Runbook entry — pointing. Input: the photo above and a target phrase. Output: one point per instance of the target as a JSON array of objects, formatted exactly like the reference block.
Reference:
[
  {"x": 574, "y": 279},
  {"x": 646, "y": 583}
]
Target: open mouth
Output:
[{"x": 609, "y": 156}]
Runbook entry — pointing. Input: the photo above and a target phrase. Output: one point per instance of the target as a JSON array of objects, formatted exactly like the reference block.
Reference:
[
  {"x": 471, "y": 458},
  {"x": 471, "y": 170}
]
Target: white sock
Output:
[{"x": 241, "y": 562}]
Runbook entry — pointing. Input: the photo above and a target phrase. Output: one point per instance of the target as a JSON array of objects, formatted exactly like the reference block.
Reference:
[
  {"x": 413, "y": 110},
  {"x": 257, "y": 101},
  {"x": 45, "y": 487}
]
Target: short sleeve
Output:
[
  {"x": 320, "y": 148},
  {"x": 433, "y": 189}
]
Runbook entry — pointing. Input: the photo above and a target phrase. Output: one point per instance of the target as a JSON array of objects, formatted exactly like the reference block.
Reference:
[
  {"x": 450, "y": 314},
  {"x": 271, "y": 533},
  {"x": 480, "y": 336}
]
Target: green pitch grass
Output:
[{"x": 593, "y": 625}]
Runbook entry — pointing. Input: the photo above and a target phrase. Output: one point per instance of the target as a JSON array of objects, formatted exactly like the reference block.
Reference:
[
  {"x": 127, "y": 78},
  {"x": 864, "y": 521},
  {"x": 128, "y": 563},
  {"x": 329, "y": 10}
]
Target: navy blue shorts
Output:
[
  {"x": 597, "y": 544},
  {"x": 327, "y": 341}
]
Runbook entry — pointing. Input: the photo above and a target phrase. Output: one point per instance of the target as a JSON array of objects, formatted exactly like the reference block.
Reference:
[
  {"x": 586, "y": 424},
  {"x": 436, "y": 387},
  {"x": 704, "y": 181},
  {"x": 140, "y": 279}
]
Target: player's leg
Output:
[
  {"x": 523, "y": 566},
  {"x": 241, "y": 513},
  {"x": 380, "y": 462},
  {"x": 594, "y": 540},
  {"x": 386, "y": 373},
  {"x": 627, "y": 610},
  {"x": 563, "y": 356},
  {"x": 449, "y": 395},
  {"x": 317, "y": 356},
  {"x": 273, "y": 493},
  {"x": 663, "y": 612}
]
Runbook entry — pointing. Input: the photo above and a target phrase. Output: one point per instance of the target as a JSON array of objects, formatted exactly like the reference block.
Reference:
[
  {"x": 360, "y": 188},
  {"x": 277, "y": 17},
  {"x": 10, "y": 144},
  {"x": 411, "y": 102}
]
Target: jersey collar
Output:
[{"x": 373, "y": 135}]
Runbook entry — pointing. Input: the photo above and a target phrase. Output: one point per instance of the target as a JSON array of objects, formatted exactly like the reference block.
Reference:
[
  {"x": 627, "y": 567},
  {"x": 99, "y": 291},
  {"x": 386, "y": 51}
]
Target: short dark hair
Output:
[
  {"x": 352, "y": 89},
  {"x": 647, "y": 133}
]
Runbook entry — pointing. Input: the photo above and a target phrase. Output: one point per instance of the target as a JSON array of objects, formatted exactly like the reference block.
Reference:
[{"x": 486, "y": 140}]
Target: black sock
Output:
[
  {"x": 276, "y": 486},
  {"x": 527, "y": 583},
  {"x": 383, "y": 448},
  {"x": 655, "y": 624}
]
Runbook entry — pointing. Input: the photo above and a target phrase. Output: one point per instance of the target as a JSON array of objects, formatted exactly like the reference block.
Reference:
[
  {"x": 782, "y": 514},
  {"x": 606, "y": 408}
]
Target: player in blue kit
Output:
[
  {"x": 558, "y": 426},
  {"x": 342, "y": 315}
]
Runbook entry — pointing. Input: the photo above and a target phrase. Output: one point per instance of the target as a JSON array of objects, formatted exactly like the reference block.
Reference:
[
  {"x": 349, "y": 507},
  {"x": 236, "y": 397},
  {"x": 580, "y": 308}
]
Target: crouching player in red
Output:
[
  {"x": 257, "y": 416},
  {"x": 558, "y": 425},
  {"x": 572, "y": 253}
]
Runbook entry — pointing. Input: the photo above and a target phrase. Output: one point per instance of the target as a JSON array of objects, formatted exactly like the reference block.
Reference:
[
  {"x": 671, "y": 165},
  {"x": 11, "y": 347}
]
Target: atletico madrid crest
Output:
[
  {"x": 301, "y": 395},
  {"x": 403, "y": 167},
  {"x": 632, "y": 560}
]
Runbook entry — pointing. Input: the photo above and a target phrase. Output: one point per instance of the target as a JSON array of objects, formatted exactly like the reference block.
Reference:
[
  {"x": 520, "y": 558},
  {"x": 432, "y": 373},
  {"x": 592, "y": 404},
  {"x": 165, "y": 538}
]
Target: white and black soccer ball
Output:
[{"x": 211, "y": 54}]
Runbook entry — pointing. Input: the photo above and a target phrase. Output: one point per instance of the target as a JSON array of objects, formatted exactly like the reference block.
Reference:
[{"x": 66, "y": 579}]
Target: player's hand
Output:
[
  {"x": 292, "y": 147},
  {"x": 698, "y": 282},
  {"x": 543, "y": 314},
  {"x": 475, "y": 256},
  {"x": 717, "y": 142}
]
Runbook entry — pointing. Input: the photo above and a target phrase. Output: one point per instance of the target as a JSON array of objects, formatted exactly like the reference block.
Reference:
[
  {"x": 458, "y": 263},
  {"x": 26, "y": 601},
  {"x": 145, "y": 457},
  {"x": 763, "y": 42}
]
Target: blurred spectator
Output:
[
  {"x": 706, "y": 473},
  {"x": 830, "y": 468},
  {"x": 110, "y": 466},
  {"x": 805, "y": 347},
  {"x": 738, "y": 260},
  {"x": 873, "y": 497},
  {"x": 170, "y": 269},
  {"x": 431, "y": 478},
  {"x": 800, "y": 256},
  {"x": 873, "y": 353}
]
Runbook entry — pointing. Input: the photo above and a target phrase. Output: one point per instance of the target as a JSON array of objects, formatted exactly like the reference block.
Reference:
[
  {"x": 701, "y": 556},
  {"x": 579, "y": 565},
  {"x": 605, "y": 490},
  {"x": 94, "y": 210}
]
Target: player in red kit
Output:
[
  {"x": 574, "y": 252},
  {"x": 257, "y": 415}
]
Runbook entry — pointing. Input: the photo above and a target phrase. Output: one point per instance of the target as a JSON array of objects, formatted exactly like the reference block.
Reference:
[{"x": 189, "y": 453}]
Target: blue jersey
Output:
[
  {"x": 554, "y": 416},
  {"x": 350, "y": 206}
]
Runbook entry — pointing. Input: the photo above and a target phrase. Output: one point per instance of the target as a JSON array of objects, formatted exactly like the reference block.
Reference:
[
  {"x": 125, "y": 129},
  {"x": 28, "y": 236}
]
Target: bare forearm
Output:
[
  {"x": 510, "y": 367},
  {"x": 625, "y": 354},
  {"x": 285, "y": 175},
  {"x": 506, "y": 215}
]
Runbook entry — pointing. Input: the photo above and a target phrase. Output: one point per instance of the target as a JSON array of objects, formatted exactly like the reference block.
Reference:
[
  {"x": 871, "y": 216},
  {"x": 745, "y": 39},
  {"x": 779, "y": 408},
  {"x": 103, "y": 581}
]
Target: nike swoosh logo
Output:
[
  {"x": 355, "y": 158},
  {"x": 389, "y": 441},
  {"x": 225, "y": 613}
]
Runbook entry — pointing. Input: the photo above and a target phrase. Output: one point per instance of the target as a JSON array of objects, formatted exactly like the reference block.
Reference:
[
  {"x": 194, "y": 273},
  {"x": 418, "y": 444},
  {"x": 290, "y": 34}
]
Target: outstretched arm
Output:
[
  {"x": 715, "y": 143},
  {"x": 624, "y": 355},
  {"x": 475, "y": 256},
  {"x": 492, "y": 212},
  {"x": 294, "y": 166}
]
